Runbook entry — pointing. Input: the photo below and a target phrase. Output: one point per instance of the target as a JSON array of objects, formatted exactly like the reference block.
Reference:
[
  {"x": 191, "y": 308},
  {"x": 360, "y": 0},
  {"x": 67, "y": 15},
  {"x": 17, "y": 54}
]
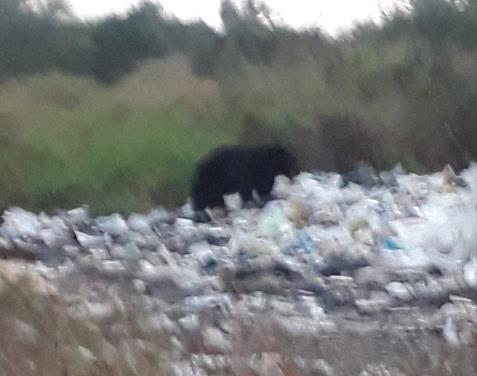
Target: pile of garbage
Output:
[{"x": 330, "y": 254}]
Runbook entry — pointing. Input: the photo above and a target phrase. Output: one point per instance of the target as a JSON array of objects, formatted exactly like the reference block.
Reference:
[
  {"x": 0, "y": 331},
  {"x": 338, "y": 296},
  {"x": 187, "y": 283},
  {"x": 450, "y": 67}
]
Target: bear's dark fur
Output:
[{"x": 242, "y": 169}]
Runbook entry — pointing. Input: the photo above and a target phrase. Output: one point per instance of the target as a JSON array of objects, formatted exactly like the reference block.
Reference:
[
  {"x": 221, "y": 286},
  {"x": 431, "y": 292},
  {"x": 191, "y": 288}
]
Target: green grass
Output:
[
  {"x": 111, "y": 155},
  {"x": 149, "y": 149}
]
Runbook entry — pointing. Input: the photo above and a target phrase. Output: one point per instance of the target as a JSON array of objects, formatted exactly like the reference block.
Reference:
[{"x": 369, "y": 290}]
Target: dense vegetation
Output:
[{"x": 114, "y": 112}]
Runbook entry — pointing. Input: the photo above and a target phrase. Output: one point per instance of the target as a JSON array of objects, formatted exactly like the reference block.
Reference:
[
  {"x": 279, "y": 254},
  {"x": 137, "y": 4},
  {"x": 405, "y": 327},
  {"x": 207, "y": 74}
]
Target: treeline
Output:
[
  {"x": 113, "y": 112},
  {"x": 46, "y": 37}
]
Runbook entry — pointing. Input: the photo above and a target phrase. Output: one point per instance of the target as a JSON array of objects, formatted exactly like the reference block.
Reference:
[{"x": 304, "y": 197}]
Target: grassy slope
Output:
[{"x": 114, "y": 148}]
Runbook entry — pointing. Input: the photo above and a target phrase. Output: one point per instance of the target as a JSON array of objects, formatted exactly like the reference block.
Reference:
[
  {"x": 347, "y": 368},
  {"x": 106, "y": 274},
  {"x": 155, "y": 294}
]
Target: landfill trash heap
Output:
[{"x": 320, "y": 258}]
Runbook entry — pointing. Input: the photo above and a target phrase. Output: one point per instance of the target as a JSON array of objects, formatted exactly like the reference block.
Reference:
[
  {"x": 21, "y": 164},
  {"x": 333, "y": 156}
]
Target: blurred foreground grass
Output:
[
  {"x": 47, "y": 331},
  {"x": 40, "y": 336}
]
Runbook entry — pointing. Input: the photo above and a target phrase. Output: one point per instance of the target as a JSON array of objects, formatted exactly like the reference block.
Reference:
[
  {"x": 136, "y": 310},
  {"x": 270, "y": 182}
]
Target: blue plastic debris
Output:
[
  {"x": 390, "y": 244},
  {"x": 210, "y": 265},
  {"x": 302, "y": 242}
]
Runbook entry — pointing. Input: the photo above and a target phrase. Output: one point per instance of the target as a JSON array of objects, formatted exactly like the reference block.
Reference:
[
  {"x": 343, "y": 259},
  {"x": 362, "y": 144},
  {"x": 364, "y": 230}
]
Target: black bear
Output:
[{"x": 242, "y": 169}]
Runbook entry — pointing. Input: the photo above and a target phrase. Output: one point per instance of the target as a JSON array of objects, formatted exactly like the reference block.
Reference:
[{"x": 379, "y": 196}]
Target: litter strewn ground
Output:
[{"x": 375, "y": 278}]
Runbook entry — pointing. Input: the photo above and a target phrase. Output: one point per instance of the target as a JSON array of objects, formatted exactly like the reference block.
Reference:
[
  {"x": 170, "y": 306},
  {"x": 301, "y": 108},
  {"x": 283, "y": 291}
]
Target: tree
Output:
[{"x": 120, "y": 43}]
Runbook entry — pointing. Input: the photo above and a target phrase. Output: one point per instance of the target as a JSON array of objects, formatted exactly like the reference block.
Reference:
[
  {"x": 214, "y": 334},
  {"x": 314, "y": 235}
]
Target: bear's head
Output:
[{"x": 284, "y": 162}]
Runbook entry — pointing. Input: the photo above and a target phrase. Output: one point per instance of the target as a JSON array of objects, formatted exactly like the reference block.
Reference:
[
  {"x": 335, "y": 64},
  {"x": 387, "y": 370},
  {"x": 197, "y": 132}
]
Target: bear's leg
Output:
[
  {"x": 199, "y": 202},
  {"x": 246, "y": 194},
  {"x": 201, "y": 216},
  {"x": 206, "y": 196},
  {"x": 264, "y": 190},
  {"x": 210, "y": 202},
  {"x": 216, "y": 201}
]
